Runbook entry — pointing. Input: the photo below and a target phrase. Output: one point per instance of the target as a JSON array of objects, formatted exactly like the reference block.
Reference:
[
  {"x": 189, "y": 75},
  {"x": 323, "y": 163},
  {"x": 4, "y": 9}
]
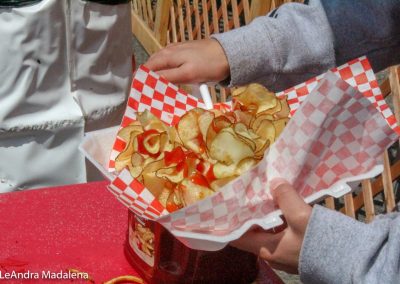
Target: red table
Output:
[{"x": 77, "y": 226}]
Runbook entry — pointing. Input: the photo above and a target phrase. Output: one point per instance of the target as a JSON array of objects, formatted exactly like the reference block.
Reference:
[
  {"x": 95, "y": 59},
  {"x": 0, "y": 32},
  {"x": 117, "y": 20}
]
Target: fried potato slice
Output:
[
  {"x": 191, "y": 192},
  {"x": 125, "y": 133},
  {"x": 150, "y": 121},
  {"x": 220, "y": 182},
  {"x": 222, "y": 171},
  {"x": 256, "y": 97},
  {"x": 280, "y": 125},
  {"x": 285, "y": 110},
  {"x": 171, "y": 174},
  {"x": 136, "y": 165},
  {"x": 244, "y": 133},
  {"x": 266, "y": 130},
  {"x": 154, "y": 183},
  {"x": 227, "y": 148},
  {"x": 124, "y": 158},
  {"x": 189, "y": 131},
  {"x": 257, "y": 121},
  {"x": 245, "y": 165},
  {"x": 164, "y": 195},
  {"x": 204, "y": 121},
  {"x": 205, "y": 150},
  {"x": 244, "y": 117}
]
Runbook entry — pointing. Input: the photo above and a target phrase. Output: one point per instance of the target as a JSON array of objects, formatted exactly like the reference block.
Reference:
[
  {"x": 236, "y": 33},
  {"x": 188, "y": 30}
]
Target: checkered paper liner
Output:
[
  {"x": 358, "y": 74},
  {"x": 165, "y": 100},
  {"x": 336, "y": 133}
]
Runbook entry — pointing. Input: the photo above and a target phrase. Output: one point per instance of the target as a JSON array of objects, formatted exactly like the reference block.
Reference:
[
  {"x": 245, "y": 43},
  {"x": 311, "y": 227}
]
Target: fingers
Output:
[
  {"x": 191, "y": 62},
  {"x": 254, "y": 240},
  {"x": 164, "y": 59},
  {"x": 291, "y": 203},
  {"x": 180, "y": 75},
  {"x": 173, "y": 64}
]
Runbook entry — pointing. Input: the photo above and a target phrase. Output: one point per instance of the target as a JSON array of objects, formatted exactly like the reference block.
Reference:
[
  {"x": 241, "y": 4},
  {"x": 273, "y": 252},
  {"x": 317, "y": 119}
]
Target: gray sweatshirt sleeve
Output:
[
  {"x": 365, "y": 27},
  {"x": 280, "y": 50},
  {"x": 339, "y": 249}
]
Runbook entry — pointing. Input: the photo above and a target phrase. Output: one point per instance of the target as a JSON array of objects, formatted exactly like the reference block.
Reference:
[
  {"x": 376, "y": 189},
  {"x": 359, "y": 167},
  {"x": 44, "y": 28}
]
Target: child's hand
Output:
[
  {"x": 197, "y": 61},
  {"x": 281, "y": 250}
]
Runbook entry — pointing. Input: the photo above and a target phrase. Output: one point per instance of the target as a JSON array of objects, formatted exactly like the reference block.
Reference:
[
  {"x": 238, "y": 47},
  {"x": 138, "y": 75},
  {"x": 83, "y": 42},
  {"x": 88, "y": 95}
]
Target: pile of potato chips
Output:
[{"x": 205, "y": 150}]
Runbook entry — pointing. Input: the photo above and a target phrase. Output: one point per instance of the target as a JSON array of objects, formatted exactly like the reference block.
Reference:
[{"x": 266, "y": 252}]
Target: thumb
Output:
[{"x": 289, "y": 201}]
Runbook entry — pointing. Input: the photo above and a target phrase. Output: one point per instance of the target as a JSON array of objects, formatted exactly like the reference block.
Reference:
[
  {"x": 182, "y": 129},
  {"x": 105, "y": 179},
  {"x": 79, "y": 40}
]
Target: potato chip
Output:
[
  {"x": 124, "y": 158},
  {"x": 262, "y": 146},
  {"x": 258, "y": 119},
  {"x": 152, "y": 143},
  {"x": 221, "y": 122},
  {"x": 125, "y": 133},
  {"x": 150, "y": 121},
  {"x": 280, "y": 125},
  {"x": 245, "y": 165},
  {"x": 285, "y": 110},
  {"x": 165, "y": 143},
  {"x": 191, "y": 192},
  {"x": 216, "y": 112},
  {"x": 238, "y": 91},
  {"x": 266, "y": 130},
  {"x": 174, "y": 201},
  {"x": 244, "y": 117},
  {"x": 280, "y": 107},
  {"x": 244, "y": 133},
  {"x": 228, "y": 148},
  {"x": 189, "y": 131},
  {"x": 220, "y": 182},
  {"x": 224, "y": 171},
  {"x": 230, "y": 116},
  {"x": 135, "y": 171},
  {"x": 136, "y": 165},
  {"x": 164, "y": 195},
  {"x": 204, "y": 121},
  {"x": 206, "y": 150},
  {"x": 171, "y": 173},
  {"x": 154, "y": 183},
  {"x": 125, "y": 279},
  {"x": 256, "y": 97}
]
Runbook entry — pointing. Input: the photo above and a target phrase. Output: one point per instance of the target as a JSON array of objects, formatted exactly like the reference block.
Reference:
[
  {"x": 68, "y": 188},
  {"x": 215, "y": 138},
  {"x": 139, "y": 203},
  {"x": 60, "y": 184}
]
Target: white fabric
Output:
[{"x": 60, "y": 62}]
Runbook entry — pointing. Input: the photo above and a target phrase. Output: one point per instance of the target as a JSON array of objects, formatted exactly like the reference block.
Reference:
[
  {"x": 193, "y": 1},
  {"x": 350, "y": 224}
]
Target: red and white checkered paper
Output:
[
  {"x": 358, "y": 74},
  {"x": 337, "y": 131}
]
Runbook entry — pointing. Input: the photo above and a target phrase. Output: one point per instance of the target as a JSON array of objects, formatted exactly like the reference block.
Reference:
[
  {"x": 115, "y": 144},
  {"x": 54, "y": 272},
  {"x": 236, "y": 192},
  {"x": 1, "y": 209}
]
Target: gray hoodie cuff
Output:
[
  {"x": 339, "y": 249},
  {"x": 249, "y": 56},
  {"x": 328, "y": 251}
]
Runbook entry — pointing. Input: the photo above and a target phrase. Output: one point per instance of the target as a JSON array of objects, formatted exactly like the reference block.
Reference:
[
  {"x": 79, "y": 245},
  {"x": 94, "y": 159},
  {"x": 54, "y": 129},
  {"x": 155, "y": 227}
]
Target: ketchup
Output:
[
  {"x": 172, "y": 262},
  {"x": 141, "y": 137},
  {"x": 176, "y": 156}
]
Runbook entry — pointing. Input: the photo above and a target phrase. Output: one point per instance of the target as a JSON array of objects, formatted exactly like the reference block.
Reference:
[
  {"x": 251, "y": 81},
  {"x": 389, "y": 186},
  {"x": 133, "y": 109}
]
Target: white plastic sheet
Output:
[{"x": 62, "y": 63}]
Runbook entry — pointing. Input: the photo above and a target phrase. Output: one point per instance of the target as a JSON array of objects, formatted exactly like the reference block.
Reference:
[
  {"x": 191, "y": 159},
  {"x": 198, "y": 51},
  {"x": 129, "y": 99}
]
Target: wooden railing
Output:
[{"x": 382, "y": 185}]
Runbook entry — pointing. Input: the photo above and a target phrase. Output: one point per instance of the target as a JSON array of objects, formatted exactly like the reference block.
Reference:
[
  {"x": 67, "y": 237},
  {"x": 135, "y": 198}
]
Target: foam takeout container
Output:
[{"x": 339, "y": 127}]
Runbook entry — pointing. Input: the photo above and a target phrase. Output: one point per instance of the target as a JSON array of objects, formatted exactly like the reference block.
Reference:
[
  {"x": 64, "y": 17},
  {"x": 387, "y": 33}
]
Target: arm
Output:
[
  {"x": 325, "y": 246},
  {"x": 291, "y": 45},
  {"x": 280, "y": 51},
  {"x": 297, "y": 41},
  {"x": 338, "y": 249},
  {"x": 365, "y": 27}
]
